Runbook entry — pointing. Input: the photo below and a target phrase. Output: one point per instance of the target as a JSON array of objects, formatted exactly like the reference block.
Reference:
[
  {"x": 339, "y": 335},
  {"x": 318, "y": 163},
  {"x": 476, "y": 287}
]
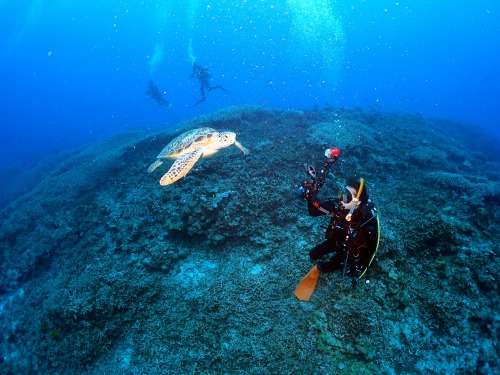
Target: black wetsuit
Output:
[
  {"x": 356, "y": 239},
  {"x": 202, "y": 74},
  {"x": 155, "y": 93}
]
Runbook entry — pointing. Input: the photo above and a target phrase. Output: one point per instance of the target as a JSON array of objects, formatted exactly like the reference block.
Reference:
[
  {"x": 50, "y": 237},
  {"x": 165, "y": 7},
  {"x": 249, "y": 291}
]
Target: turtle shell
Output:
[{"x": 189, "y": 141}]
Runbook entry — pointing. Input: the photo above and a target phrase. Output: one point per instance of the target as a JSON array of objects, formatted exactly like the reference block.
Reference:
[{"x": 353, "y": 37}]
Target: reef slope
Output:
[{"x": 105, "y": 271}]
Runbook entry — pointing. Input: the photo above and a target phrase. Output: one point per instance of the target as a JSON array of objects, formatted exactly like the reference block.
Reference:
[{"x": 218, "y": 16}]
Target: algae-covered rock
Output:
[{"x": 105, "y": 271}]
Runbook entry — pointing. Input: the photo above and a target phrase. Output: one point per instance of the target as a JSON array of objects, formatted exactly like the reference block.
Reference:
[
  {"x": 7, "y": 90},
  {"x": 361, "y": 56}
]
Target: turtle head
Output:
[{"x": 226, "y": 139}]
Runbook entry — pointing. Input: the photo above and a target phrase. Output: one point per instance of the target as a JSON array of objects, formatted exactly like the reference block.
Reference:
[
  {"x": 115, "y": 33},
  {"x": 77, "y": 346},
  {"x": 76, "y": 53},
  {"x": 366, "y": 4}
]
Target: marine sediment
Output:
[{"x": 105, "y": 271}]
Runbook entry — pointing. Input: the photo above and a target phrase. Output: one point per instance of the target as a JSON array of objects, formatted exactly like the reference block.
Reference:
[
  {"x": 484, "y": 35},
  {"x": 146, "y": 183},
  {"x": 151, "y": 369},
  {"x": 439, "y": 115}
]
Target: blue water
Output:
[{"x": 73, "y": 72}]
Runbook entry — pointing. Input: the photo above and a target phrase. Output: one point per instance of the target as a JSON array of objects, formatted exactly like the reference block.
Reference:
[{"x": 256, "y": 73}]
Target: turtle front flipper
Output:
[
  {"x": 181, "y": 167},
  {"x": 155, "y": 165},
  {"x": 243, "y": 149}
]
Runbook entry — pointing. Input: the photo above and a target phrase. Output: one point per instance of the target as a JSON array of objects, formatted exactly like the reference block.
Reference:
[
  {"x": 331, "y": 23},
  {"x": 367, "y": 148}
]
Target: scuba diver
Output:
[
  {"x": 352, "y": 235},
  {"x": 155, "y": 93},
  {"x": 202, "y": 74}
]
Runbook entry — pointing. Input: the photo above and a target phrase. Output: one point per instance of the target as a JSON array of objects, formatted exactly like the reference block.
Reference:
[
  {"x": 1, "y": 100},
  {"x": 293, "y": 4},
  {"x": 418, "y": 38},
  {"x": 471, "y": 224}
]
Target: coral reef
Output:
[{"x": 103, "y": 271}]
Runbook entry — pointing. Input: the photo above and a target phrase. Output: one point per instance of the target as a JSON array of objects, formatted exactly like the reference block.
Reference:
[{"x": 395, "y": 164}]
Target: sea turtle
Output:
[{"x": 188, "y": 147}]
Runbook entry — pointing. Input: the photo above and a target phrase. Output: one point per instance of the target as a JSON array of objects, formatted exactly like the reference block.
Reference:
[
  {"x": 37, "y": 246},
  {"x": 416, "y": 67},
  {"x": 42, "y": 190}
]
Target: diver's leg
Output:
[
  {"x": 164, "y": 103},
  {"x": 334, "y": 263},
  {"x": 210, "y": 88},
  {"x": 322, "y": 249},
  {"x": 200, "y": 101},
  {"x": 202, "y": 91}
]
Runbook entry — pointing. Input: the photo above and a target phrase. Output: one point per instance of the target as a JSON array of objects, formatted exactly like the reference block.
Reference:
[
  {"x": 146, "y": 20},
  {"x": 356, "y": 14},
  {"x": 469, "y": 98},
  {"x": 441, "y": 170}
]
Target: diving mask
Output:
[{"x": 346, "y": 196}]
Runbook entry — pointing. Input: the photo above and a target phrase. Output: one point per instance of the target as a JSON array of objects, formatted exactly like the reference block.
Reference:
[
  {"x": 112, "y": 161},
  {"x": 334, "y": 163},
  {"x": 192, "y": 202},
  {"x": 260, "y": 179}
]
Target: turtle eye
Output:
[{"x": 199, "y": 139}]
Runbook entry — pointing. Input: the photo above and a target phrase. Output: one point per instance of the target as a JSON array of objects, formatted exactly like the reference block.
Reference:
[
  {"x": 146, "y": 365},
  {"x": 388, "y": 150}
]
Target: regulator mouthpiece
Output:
[{"x": 356, "y": 200}]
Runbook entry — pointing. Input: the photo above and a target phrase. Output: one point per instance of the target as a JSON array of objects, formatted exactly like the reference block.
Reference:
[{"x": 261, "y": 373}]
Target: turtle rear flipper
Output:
[
  {"x": 181, "y": 167},
  {"x": 155, "y": 165}
]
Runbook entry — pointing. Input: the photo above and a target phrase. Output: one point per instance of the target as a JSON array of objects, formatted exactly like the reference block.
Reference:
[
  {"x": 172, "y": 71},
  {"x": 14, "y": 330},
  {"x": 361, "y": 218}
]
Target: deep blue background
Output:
[{"x": 73, "y": 72}]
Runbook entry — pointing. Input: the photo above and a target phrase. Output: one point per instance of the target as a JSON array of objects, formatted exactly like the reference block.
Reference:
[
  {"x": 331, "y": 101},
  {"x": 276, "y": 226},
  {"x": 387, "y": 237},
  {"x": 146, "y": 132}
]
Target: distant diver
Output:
[
  {"x": 155, "y": 93},
  {"x": 202, "y": 74}
]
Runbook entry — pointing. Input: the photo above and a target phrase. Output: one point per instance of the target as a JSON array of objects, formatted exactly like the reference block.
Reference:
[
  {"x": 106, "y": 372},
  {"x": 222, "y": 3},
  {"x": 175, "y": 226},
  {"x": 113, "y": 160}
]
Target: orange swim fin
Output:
[{"x": 306, "y": 287}]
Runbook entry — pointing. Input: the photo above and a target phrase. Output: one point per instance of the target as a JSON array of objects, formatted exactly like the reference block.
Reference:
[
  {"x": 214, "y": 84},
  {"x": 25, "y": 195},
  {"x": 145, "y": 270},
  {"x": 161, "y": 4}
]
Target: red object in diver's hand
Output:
[{"x": 332, "y": 153}]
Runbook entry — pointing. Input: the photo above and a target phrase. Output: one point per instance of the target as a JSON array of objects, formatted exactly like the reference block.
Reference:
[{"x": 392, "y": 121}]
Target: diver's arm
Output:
[
  {"x": 308, "y": 190},
  {"x": 316, "y": 208}
]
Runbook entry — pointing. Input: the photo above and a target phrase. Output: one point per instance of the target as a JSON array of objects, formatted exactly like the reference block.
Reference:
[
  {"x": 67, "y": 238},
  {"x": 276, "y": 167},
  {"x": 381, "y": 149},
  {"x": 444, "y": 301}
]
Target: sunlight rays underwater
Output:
[{"x": 317, "y": 33}]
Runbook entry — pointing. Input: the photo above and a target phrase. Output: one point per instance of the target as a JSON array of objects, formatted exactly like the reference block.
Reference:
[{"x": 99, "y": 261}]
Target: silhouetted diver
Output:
[
  {"x": 155, "y": 93},
  {"x": 201, "y": 72}
]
